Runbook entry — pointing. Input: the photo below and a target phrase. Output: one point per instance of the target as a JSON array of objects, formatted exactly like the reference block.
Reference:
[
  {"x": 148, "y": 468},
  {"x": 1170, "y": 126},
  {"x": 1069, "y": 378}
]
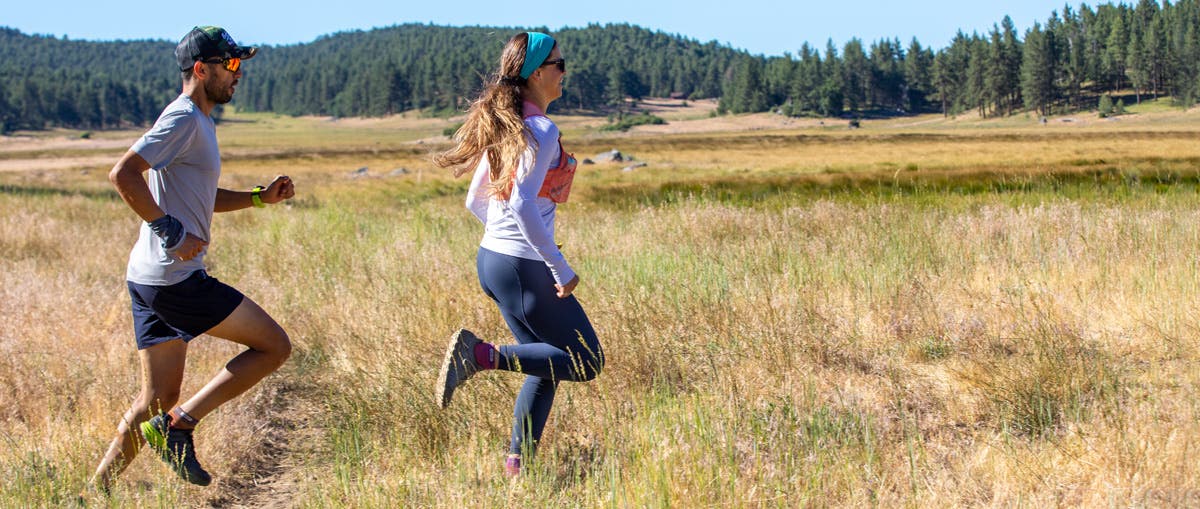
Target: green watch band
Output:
[{"x": 254, "y": 196}]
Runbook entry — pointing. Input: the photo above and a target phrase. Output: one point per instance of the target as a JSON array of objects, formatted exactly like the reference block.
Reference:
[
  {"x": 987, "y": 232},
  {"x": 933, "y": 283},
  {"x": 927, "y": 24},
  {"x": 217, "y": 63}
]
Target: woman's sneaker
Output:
[
  {"x": 458, "y": 366},
  {"x": 175, "y": 447}
]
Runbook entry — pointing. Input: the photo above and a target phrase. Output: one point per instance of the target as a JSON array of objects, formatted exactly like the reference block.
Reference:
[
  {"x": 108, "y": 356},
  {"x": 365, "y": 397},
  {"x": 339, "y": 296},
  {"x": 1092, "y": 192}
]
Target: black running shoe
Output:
[
  {"x": 175, "y": 447},
  {"x": 458, "y": 365}
]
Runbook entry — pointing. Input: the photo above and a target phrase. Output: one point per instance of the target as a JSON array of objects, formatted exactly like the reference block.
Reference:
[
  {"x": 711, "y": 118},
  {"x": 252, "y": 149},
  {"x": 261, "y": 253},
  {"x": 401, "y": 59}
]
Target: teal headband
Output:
[{"x": 536, "y": 51}]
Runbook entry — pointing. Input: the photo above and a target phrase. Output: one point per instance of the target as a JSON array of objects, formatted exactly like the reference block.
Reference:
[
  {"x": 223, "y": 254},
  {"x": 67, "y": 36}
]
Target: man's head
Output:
[
  {"x": 212, "y": 48},
  {"x": 209, "y": 43}
]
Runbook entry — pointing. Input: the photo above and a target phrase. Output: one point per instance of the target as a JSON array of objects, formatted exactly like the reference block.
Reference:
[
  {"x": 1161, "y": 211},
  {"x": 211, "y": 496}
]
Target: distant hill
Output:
[
  {"x": 1070, "y": 63},
  {"x": 404, "y": 67},
  {"x": 57, "y": 82}
]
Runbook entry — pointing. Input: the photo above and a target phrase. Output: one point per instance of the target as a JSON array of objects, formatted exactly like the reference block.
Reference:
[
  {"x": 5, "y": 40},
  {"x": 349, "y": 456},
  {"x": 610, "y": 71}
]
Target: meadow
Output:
[{"x": 924, "y": 312}]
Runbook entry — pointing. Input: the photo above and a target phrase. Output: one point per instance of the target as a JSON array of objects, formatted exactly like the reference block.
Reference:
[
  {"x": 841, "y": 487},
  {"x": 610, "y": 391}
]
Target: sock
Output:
[
  {"x": 485, "y": 355},
  {"x": 181, "y": 419}
]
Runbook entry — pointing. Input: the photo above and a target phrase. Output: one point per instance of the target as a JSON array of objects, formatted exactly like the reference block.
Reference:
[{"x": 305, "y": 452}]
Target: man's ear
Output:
[{"x": 199, "y": 70}]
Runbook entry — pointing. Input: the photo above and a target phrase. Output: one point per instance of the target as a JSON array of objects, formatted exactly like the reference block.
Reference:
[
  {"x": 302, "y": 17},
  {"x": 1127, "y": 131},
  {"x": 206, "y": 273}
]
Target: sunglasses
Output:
[
  {"x": 230, "y": 64},
  {"x": 560, "y": 62}
]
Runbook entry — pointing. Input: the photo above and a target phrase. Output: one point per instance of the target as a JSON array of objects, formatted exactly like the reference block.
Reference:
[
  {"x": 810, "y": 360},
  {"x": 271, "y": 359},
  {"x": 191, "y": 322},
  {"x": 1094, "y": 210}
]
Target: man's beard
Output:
[{"x": 217, "y": 94}]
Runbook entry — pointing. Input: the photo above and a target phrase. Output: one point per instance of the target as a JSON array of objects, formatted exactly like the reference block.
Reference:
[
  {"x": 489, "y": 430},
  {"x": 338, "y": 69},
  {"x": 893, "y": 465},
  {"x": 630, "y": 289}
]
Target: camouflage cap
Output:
[{"x": 207, "y": 42}]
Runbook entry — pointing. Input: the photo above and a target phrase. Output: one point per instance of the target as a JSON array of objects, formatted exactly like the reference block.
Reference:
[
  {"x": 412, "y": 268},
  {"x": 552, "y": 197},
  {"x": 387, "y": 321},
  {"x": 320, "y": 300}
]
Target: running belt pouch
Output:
[{"x": 557, "y": 185}]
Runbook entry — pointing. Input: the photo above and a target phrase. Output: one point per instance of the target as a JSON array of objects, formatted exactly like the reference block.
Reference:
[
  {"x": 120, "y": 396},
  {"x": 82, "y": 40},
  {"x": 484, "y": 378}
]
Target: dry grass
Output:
[{"x": 795, "y": 345}]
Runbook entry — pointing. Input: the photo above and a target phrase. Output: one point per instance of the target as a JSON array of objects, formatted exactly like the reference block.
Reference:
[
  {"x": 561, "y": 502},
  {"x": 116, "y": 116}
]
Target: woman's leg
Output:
[
  {"x": 555, "y": 338},
  {"x": 530, "y": 413}
]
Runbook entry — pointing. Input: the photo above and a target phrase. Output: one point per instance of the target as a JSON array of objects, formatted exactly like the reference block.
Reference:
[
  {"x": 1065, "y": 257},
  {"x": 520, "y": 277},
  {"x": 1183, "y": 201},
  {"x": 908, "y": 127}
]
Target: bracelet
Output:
[{"x": 254, "y": 196}]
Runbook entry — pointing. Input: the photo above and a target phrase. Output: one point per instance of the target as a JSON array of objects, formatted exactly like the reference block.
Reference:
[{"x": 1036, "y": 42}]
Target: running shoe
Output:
[
  {"x": 458, "y": 366},
  {"x": 175, "y": 447}
]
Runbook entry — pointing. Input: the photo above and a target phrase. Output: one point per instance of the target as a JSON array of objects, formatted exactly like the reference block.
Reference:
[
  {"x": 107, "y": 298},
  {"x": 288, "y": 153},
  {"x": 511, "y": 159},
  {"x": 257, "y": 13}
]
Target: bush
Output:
[
  {"x": 1106, "y": 106},
  {"x": 635, "y": 120},
  {"x": 449, "y": 131}
]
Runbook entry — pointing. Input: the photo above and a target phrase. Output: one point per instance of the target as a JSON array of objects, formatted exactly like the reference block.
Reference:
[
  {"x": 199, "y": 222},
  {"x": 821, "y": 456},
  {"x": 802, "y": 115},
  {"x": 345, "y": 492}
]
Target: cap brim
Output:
[{"x": 247, "y": 52}]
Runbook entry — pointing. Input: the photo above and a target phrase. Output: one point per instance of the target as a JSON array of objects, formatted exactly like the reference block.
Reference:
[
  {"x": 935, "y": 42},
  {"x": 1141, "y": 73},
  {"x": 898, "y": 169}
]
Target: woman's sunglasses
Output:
[
  {"x": 230, "y": 64},
  {"x": 560, "y": 62}
]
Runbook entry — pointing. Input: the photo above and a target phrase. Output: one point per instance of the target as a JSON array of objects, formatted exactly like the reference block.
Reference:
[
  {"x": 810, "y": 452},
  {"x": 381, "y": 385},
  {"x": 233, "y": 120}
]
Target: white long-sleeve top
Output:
[{"x": 523, "y": 225}]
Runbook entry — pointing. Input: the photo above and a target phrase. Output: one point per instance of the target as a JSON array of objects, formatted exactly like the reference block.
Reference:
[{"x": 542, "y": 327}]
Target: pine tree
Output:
[
  {"x": 856, "y": 72},
  {"x": 1113, "y": 61},
  {"x": 1038, "y": 70},
  {"x": 918, "y": 76}
]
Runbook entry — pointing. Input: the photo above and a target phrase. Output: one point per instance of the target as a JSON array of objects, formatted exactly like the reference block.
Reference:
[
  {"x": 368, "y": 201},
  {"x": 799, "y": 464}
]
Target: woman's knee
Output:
[{"x": 591, "y": 363}]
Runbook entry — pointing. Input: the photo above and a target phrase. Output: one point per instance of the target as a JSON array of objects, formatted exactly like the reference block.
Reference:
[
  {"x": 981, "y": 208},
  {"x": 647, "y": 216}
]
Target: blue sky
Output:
[{"x": 759, "y": 26}]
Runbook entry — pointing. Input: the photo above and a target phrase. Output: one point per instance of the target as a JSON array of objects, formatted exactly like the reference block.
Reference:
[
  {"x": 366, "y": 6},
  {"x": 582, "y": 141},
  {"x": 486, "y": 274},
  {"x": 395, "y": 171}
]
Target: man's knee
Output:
[{"x": 281, "y": 347}]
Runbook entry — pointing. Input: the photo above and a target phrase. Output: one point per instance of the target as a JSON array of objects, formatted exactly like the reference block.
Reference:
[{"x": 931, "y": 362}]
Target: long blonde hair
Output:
[{"x": 494, "y": 124}]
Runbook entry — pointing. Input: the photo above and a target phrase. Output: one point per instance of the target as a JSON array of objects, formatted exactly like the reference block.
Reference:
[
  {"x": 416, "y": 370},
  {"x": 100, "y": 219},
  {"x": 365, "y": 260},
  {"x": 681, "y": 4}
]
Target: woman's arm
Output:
[
  {"x": 477, "y": 198},
  {"x": 531, "y": 171}
]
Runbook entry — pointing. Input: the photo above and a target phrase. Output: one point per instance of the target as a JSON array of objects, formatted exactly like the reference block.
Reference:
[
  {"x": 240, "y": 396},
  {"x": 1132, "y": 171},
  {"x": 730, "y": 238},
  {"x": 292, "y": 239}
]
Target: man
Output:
[{"x": 173, "y": 298}]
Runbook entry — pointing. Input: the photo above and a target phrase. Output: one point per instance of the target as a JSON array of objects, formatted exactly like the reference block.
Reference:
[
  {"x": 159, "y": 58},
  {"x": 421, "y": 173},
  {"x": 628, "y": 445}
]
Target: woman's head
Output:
[
  {"x": 531, "y": 69},
  {"x": 533, "y": 63}
]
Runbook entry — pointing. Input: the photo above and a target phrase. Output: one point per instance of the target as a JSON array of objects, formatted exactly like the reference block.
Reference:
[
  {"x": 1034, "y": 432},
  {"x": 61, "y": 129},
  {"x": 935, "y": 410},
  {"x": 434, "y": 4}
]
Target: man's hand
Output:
[
  {"x": 279, "y": 190},
  {"x": 189, "y": 248}
]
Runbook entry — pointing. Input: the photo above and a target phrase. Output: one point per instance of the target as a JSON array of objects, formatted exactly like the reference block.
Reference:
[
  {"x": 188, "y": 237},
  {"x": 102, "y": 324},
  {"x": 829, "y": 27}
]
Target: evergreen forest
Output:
[{"x": 1076, "y": 59}]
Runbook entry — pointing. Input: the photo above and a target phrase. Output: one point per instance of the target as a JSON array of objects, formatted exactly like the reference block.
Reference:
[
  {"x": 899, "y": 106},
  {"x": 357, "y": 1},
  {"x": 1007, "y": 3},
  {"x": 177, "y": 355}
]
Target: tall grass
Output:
[{"x": 791, "y": 346}]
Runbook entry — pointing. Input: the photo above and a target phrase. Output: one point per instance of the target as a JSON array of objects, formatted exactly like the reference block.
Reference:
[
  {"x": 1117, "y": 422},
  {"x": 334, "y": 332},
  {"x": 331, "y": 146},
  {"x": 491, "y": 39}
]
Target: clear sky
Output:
[{"x": 759, "y": 26}]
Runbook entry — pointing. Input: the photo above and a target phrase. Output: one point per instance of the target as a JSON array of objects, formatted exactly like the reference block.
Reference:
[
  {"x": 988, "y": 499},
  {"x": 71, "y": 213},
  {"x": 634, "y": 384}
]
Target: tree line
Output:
[
  {"x": 1070, "y": 62},
  {"x": 1075, "y": 58}
]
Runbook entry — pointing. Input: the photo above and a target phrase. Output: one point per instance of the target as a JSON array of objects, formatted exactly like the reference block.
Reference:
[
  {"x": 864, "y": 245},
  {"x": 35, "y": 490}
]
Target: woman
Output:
[{"x": 521, "y": 174}]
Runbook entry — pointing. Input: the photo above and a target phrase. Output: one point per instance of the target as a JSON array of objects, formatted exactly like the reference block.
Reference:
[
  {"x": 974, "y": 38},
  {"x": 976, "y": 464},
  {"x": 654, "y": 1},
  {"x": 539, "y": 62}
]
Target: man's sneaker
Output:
[
  {"x": 175, "y": 447},
  {"x": 458, "y": 366}
]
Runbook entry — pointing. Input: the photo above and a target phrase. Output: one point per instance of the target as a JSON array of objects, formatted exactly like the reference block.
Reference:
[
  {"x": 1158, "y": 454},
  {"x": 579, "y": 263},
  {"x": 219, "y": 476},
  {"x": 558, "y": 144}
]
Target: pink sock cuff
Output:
[{"x": 485, "y": 355}]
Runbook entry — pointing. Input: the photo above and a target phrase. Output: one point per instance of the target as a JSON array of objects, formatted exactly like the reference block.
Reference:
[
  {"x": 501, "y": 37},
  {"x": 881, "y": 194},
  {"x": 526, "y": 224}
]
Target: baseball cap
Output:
[{"x": 207, "y": 42}]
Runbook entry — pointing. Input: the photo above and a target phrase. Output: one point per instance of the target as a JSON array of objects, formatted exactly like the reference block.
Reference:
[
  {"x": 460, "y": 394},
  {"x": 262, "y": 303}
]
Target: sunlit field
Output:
[{"x": 922, "y": 312}]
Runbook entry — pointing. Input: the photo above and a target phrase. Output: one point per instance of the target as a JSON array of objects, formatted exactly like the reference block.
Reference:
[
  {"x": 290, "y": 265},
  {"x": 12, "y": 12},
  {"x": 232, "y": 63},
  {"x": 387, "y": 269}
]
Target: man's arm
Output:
[
  {"x": 279, "y": 190},
  {"x": 127, "y": 177}
]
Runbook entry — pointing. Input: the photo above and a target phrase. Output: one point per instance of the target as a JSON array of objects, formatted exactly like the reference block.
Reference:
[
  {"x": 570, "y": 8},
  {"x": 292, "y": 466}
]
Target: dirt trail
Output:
[{"x": 266, "y": 475}]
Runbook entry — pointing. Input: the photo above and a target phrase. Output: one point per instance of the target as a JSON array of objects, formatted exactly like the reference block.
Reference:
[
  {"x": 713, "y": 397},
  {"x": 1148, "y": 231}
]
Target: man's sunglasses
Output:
[
  {"x": 560, "y": 62},
  {"x": 230, "y": 64}
]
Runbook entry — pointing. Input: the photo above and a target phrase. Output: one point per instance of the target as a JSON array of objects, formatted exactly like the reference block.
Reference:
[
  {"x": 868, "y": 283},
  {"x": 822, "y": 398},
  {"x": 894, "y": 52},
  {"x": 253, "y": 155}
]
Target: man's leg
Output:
[
  {"x": 162, "y": 375},
  {"x": 269, "y": 347}
]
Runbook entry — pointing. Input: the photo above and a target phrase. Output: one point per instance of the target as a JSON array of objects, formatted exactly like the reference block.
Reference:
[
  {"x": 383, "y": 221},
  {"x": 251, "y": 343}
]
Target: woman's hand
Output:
[{"x": 565, "y": 290}]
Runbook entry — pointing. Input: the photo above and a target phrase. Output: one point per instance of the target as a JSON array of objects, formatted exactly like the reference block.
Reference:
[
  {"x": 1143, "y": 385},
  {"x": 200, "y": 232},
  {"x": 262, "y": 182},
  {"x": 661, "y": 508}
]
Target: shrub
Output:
[
  {"x": 1106, "y": 106},
  {"x": 635, "y": 120}
]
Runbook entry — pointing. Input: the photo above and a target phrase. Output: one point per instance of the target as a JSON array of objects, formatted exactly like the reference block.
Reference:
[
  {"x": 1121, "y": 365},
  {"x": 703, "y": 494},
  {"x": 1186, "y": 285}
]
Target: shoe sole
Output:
[{"x": 443, "y": 389}]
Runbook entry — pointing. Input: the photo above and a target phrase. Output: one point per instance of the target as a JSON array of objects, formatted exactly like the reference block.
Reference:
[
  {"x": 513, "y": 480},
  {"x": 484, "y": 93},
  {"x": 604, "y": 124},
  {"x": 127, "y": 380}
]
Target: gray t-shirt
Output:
[{"x": 185, "y": 166}]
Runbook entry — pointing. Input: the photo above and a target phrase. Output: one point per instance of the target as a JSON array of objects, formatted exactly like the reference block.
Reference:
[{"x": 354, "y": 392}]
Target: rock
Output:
[
  {"x": 588, "y": 161},
  {"x": 633, "y": 167},
  {"x": 613, "y": 155},
  {"x": 361, "y": 172},
  {"x": 398, "y": 171}
]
